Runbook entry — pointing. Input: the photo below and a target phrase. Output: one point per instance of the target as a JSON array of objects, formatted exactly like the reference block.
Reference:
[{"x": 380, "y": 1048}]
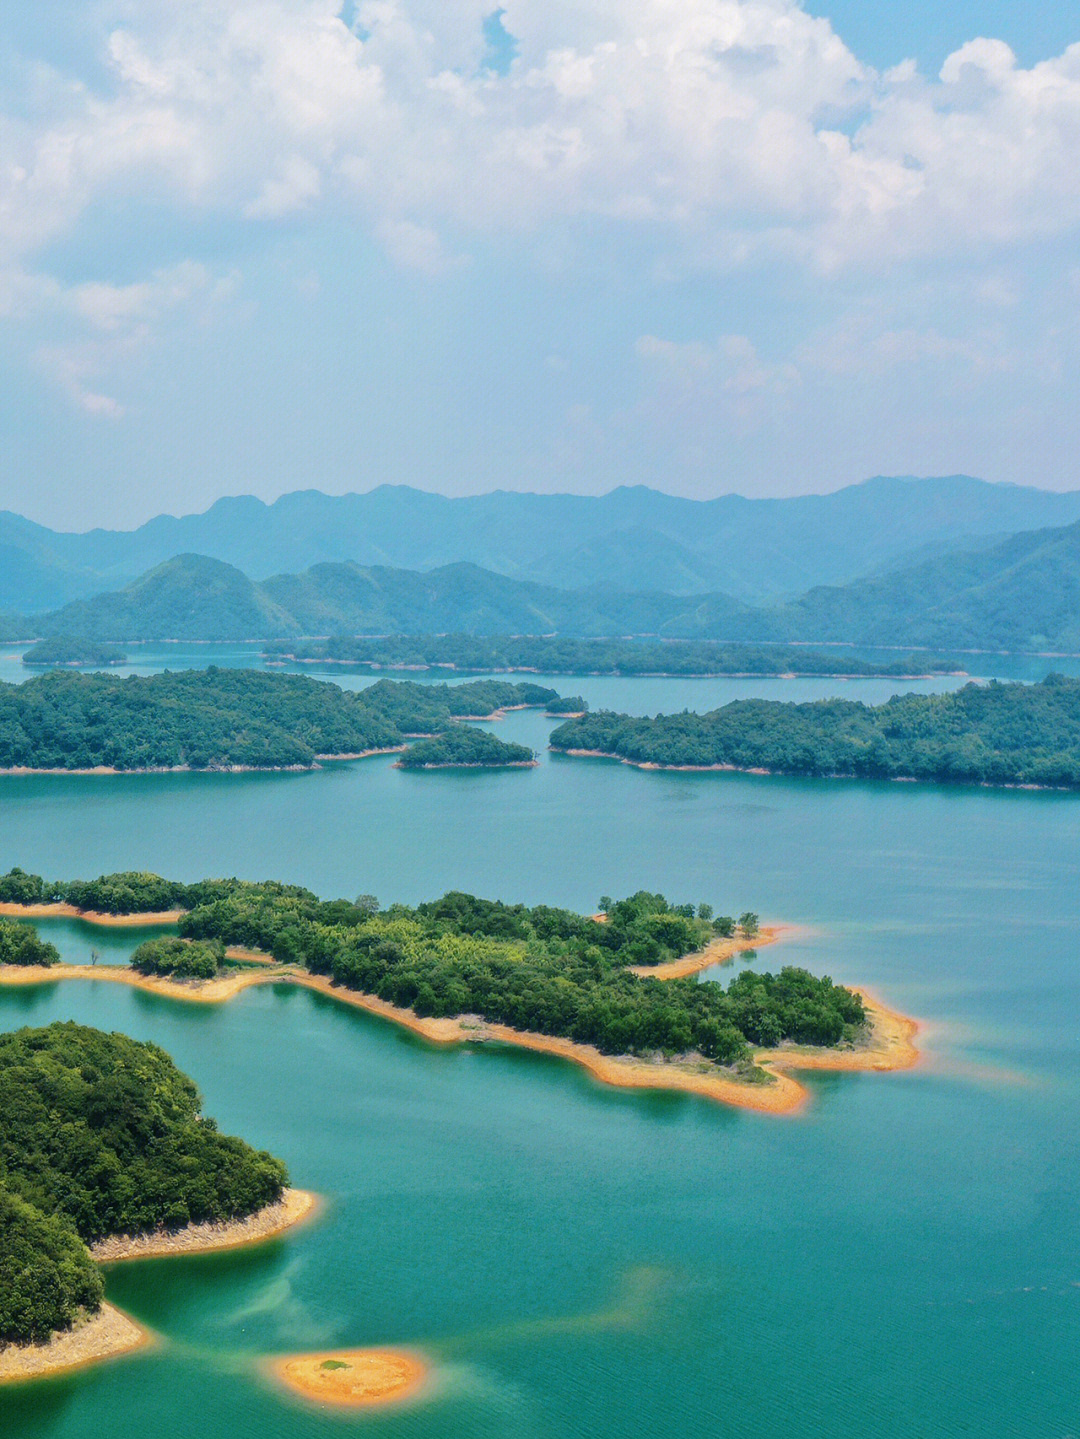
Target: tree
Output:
[{"x": 748, "y": 923}]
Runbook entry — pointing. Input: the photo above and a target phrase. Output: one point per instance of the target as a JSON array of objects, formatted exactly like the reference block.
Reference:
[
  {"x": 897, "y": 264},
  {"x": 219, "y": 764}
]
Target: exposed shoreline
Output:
[
  {"x": 648, "y": 764},
  {"x": 473, "y": 764},
  {"x": 61, "y": 909},
  {"x": 887, "y": 1046},
  {"x": 279, "y": 660},
  {"x": 106, "y": 769},
  {"x": 352, "y": 1378},
  {"x": 95, "y": 1337},
  {"x": 294, "y": 1206},
  {"x": 717, "y": 951},
  {"x": 111, "y": 1332}
]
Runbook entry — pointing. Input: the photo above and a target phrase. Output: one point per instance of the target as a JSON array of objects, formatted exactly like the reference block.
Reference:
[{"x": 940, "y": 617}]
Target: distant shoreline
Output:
[{"x": 318, "y": 761}]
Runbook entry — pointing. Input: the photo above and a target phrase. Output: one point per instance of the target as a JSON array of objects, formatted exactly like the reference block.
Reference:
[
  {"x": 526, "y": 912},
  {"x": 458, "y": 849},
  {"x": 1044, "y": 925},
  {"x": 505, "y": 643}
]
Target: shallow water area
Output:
[{"x": 900, "y": 1257}]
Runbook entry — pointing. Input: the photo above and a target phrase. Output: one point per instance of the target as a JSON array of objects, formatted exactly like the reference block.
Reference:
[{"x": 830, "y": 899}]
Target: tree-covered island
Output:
[
  {"x": 102, "y": 1135},
  {"x": 556, "y": 655},
  {"x": 995, "y": 734},
  {"x": 69, "y": 650},
  {"x": 229, "y": 719},
  {"x": 465, "y": 748}
]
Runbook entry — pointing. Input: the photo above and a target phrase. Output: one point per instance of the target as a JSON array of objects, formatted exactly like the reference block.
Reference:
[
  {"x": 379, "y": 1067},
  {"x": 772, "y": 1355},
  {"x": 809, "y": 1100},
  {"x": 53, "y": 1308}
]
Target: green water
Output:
[{"x": 903, "y": 1258}]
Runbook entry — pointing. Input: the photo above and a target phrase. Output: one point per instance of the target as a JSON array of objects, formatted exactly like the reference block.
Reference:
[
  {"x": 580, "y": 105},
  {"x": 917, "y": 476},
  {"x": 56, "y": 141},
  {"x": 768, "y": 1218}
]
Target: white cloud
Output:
[{"x": 747, "y": 119}]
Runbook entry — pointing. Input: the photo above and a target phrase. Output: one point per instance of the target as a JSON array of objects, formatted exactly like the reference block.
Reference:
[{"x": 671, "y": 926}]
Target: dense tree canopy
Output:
[
  {"x": 986, "y": 734},
  {"x": 462, "y": 747},
  {"x": 20, "y": 943},
  {"x": 102, "y": 1135},
  {"x": 66, "y": 650},
  {"x": 555, "y": 655},
  {"x": 182, "y": 958},
  {"x": 219, "y": 719}
]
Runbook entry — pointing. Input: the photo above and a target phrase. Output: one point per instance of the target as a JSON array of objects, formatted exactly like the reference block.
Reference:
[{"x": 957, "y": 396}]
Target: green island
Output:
[
  {"x": 554, "y": 654},
  {"x": 540, "y": 969},
  {"x": 103, "y": 1136},
  {"x": 229, "y": 719},
  {"x": 993, "y": 734},
  {"x": 464, "y": 748},
  {"x": 20, "y": 944},
  {"x": 69, "y": 650}
]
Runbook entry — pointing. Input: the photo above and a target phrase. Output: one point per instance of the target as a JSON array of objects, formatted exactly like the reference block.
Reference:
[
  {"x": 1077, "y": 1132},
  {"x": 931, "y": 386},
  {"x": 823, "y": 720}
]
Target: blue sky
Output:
[{"x": 709, "y": 245}]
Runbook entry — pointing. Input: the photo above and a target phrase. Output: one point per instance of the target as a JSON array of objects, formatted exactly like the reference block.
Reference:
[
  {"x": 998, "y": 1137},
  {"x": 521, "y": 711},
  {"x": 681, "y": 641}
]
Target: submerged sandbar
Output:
[{"x": 352, "y": 1378}]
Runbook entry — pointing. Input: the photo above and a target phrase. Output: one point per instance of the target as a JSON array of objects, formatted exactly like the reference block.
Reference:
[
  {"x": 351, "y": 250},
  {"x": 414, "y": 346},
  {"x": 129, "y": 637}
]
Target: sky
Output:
[{"x": 252, "y": 246}]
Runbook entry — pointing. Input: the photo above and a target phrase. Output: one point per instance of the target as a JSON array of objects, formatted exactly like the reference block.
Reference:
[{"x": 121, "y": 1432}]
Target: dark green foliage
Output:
[
  {"x": 556, "y": 654},
  {"x": 64, "y": 650},
  {"x": 21, "y": 944},
  {"x": 18, "y": 887},
  {"x": 130, "y": 892},
  {"x": 46, "y": 1274},
  {"x": 181, "y": 958},
  {"x": 568, "y": 705},
  {"x": 464, "y": 747},
  {"x": 985, "y": 734},
  {"x": 218, "y": 719},
  {"x": 106, "y": 1132}
]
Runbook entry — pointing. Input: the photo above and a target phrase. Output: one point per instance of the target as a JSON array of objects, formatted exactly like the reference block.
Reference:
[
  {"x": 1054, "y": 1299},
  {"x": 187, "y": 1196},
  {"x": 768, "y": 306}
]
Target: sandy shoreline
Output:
[
  {"x": 476, "y": 764},
  {"x": 104, "y": 1335},
  {"x": 294, "y": 1206},
  {"x": 352, "y": 1378},
  {"x": 718, "y": 951},
  {"x": 888, "y": 1046},
  {"x": 68, "y": 911}
]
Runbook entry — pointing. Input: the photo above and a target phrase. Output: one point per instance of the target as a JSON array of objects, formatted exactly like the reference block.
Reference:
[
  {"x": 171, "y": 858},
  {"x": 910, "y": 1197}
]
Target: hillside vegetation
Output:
[
  {"x": 999, "y": 734},
  {"x": 102, "y": 1135},
  {"x": 217, "y": 718}
]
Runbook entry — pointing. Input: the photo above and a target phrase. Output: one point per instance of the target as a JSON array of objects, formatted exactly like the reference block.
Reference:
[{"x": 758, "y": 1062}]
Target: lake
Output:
[{"x": 902, "y": 1257}]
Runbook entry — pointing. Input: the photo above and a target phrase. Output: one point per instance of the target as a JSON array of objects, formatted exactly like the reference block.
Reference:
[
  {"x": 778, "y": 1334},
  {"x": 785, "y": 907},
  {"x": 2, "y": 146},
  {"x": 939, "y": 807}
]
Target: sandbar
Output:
[
  {"x": 886, "y": 1046},
  {"x": 61, "y": 909},
  {"x": 94, "y": 1337},
  {"x": 294, "y": 1206},
  {"x": 352, "y": 1378}
]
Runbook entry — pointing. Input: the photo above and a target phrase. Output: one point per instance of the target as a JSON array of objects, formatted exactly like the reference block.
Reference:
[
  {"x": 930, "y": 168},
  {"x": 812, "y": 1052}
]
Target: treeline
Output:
[
  {"x": 552, "y": 654},
  {"x": 219, "y": 719},
  {"x": 21, "y": 944},
  {"x": 102, "y": 1135},
  {"x": 67, "y": 650},
  {"x": 465, "y": 748},
  {"x": 538, "y": 968},
  {"x": 997, "y": 734}
]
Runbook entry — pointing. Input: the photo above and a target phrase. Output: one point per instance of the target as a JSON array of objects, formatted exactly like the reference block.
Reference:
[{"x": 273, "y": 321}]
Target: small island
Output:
[
  {"x": 105, "y": 1154},
  {"x": 67, "y": 650},
  {"x": 352, "y": 1378},
  {"x": 230, "y": 720},
  {"x": 992, "y": 734},
  {"x": 617, "y": 992},
  {"x": 464, "y": 748}
]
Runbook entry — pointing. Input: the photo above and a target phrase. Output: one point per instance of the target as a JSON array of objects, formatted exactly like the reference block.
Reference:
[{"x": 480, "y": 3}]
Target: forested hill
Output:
[
  {"x": 218, "y": 719},
  {"x": 102, "y": 1135},
  {"x": 195, "y": 598},
  {"x": 999, "y": 734},
  {"x": 758, "y": 550},
  {"x": 1022, "y": 594},
  {"x": 555, "y": 655}
]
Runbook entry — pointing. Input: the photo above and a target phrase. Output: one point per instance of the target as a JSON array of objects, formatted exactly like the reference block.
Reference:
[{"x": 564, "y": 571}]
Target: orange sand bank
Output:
[
  {"x": 68, "y": 911},
  {"x": 352, "y": 1377},
  {"x": 293, "y": 1206},
  {"x": 888, "y": 1045},
  {"x": 104, "y": 1335},
  {"x": 719, "y": 951}
]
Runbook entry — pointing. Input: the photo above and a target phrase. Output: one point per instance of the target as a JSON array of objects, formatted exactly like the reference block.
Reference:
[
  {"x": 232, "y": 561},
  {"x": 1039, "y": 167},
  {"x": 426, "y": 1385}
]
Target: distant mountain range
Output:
[
  {"x": 758, "y": 551},
  {"x": 1022, "y": 593}
]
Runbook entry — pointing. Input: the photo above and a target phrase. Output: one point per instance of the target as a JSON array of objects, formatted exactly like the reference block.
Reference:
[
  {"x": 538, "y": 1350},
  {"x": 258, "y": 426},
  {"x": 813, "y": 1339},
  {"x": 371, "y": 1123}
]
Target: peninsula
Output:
[
  {"x": 105, "y": 1155},
  {"x": 992, "y": 734},
  {"x": 225, "y": 719},
  {"x": 616, "y": 993}
]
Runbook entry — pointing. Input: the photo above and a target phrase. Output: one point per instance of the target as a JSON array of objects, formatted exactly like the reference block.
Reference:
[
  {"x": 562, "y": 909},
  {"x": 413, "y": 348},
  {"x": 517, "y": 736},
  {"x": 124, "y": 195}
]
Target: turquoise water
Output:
[{"x": 901, "y": 1258}]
